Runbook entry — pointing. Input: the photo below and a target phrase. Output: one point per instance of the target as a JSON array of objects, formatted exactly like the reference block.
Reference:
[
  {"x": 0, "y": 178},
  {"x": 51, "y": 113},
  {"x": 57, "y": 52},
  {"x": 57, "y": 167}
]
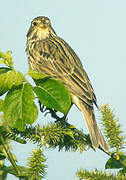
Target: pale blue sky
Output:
[{"x": 96, "y": 30}]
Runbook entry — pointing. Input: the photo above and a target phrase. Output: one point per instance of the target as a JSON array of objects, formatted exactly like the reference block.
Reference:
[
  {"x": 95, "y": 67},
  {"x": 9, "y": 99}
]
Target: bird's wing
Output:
[{"x": 58, "y": 59}]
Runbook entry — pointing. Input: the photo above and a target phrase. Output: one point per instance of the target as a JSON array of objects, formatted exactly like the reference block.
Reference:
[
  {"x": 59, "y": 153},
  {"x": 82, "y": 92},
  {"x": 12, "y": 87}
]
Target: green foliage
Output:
[
  {"x": 18, "y": 105},
  {"x": 119, "y": 163},
  {"x": 7, "y": 59},
  {"x": 113, "y": 164},
  {"x": 36, "y": 168},
  {"x": 116, "y": 142},
  {"x": 1, "y": 105},
  {"x": 8, "y": 79},
  {"x": 60, "y": 135},
  {"x": 94, "y": 175},
  {"x": 19, "y": 112},
  {"x": 19, "y": 100},
  {"x": 53, "y": 94},
  {"x": 10, "y": 170},
  {"x": 36, "y": 75},
  {"x": 97, "y": 175},
  {"x": 112, "y": 129},
  {"x": 22, "y": 172}
]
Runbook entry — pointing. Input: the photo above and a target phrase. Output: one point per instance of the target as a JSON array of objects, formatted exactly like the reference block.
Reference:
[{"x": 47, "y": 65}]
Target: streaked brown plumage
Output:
[{"x": 51, "y": 55}]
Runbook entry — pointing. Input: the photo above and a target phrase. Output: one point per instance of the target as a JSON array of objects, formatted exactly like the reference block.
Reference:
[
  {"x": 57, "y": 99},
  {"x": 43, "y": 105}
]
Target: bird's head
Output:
[{"x": 40, "y": 28}]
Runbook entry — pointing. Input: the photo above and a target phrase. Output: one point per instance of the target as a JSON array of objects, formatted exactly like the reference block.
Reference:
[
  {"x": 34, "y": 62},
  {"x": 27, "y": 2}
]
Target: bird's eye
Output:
[{"x": 35, "y": 23}]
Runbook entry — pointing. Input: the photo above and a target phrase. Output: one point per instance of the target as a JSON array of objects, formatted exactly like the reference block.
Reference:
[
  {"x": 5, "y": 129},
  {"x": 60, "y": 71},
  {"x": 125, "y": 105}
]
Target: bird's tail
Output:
[{"x": 94, "y": 132}]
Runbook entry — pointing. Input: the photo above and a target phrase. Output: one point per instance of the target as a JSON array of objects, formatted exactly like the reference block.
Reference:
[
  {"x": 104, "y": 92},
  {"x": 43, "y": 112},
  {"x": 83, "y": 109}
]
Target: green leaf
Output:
[
  {"x": 9, "y": 78},
  {"x": 19, "y": 107},
  {"x": 18, "y": 79},
  {"x": 11, "y": 170},
  {"x": 113, "y": 164},
  {"x": 36, "y": 75},
  {"x": 1, "y": 105},
  {"x": 3, "y": 173},
  {"x": 2, "y": 155},
  {"x": 122, "y": 171},
  {"x": 2, "y": 55},
  {"x": 7, "y": 59},
  {"x": 53, "y": 94},
  {"x": 36, "y": 165},
  {"x": 123, "y": 160},
  {"x": 6, "y": 75}
]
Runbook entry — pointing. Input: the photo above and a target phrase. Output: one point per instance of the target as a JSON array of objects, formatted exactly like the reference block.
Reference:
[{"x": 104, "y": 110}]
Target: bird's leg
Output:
[
  {"x": 52, "y": 112},
  {"x": 61, "y": 119},
  {"x": 54, "y": 115},
  {"x": 41, "y": 107},
  {"x": 64, "y": 118}
]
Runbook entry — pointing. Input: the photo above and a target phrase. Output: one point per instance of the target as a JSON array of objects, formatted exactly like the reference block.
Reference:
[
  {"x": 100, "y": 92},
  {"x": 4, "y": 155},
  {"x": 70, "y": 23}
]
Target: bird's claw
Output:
[
  {"x": 42, "y": 107},
  {"x": 52, "y": 112}
]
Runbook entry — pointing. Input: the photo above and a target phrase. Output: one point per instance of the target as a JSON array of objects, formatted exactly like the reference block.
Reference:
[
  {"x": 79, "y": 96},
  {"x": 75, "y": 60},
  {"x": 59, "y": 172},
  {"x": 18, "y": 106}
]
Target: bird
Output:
[{"x": 51, "y": 55}]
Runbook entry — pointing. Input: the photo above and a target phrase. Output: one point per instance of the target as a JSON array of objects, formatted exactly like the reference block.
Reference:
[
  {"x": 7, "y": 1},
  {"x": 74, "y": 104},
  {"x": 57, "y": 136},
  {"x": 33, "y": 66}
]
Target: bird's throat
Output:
[{"x": 42, "y": 33}]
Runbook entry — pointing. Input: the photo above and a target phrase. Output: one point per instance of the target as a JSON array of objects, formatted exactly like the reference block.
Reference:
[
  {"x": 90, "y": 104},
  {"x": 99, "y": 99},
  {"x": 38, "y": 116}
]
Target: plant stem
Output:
[{"x": 10, "y": 156}]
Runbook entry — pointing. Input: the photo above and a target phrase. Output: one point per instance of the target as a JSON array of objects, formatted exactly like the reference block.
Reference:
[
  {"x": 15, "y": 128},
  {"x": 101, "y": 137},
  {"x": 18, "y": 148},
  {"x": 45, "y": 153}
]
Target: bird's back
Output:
[{"x": 54, "y": 57}]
